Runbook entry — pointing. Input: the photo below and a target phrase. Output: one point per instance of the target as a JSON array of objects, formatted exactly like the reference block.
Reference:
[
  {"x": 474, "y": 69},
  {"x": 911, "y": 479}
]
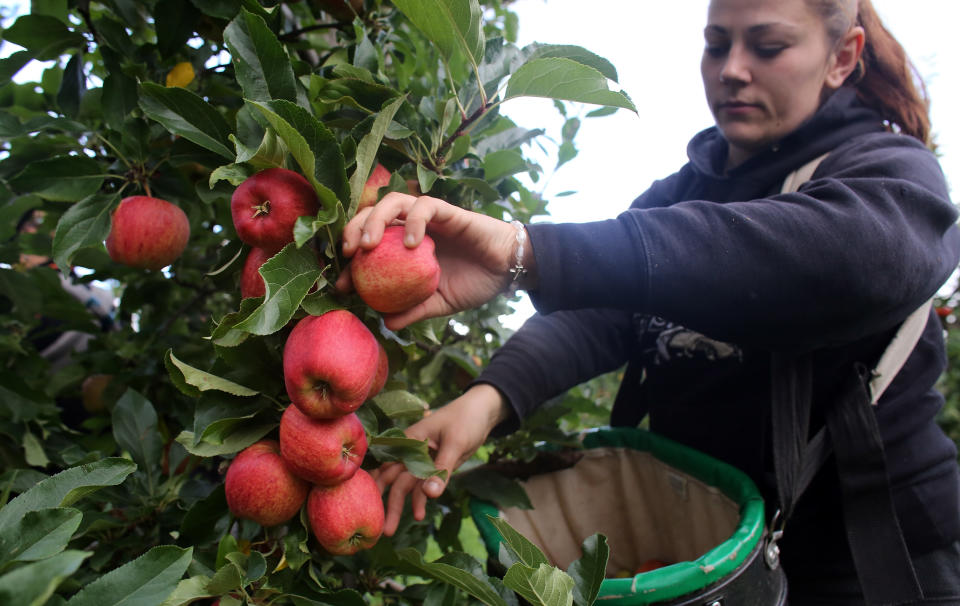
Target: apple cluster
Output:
[{"x": 332, "y": 364}]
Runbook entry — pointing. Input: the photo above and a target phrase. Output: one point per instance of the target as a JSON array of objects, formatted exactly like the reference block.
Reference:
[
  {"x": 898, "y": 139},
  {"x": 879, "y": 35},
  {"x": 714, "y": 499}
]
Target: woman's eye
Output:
[
  {"x": 716, "y": 50},
  {"x": 769, "y": 51}
]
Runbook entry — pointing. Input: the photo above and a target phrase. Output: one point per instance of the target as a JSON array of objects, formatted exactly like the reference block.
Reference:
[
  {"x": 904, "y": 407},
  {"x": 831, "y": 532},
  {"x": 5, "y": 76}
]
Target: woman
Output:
[{"x": 712, "y": 278}]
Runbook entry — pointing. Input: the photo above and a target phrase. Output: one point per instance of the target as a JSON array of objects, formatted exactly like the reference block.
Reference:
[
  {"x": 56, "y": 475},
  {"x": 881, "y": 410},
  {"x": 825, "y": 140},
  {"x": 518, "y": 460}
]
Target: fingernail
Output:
[
  {"x": 365, "y": 238},
  {"x": 408, "y": 240},
  {"x": 434, "y": 485}
]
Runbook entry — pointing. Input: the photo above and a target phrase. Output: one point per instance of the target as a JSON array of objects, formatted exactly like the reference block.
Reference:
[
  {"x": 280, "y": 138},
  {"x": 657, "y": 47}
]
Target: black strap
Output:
[
  {"x": 791, "y": 384},
  {"x": 879, "y": 551}
]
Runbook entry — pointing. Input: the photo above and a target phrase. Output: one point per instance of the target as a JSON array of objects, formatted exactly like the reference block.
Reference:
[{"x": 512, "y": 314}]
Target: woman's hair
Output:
[{"x": 885, "y": 79}]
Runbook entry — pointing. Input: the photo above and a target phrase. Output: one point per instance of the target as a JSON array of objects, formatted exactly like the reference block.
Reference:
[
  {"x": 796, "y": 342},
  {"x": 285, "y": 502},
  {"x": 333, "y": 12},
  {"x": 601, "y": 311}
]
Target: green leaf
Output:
[
  {"x": 312, "y": 145},
  {"x": 271, "y": 151},
  {"x": 85, "y": 224},
  {"x": 33, "y": 451},
  {"x": 61, "y": 178},
  {"x": 288, "y": 276},
  {"x": 39, "y": 535},
  {"x": 541, "y": 586},
  {"x": 188, "y": 591},
  {"x": 33, "y": 584},
  {"x": 66, "y": 488},
  {"x": 589, "y": 571},
  {"x": 45, "y": 37},
  {"x": 393, "y": 445},
  {"x": 204, "y": 522},
  {"x": 319, "y": 303},
  {"x": 11, "y": 65},
  {"x": 186, "y": 114},
  {"x": 72, "y": 87},
  {"x": 426, "y": 178},
  {"x": 576, "y": 53},
  {"x": 527, "y": 553},
  {"x": 500, "y": 164},
  {"x": 452, "y": 25},
  {"x": 400, "y": 403},
  {"x": 203, "y": 381},
  {"x": 262, "y": 66},
  {"x": 367, "y": 151},
  {"x": 307, "y": 227},
  {"x": 565, "y": 79},
  {"x": 481, "y": 589},
  {"x": 238, "y": 437},
  {"x": 135, "y": 429},
  {"x": 146, "y": 581},
  {"x": 174, "y": 25}
]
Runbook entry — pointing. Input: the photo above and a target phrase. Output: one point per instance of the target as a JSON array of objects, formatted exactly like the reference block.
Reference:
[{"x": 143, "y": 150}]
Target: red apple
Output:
[
  {"x": 379, "y": 178},
  {"x": 383, "y": 372},
  {"x": 251, "y": 282},
  {"x": 322, "y": 451},
  {"x": 347, "y": 517},
  {"x": 266, "y": 206},
  {"x": 329, "y": 364},
  {"x": 261, "y": 487},
  {"x": 147, "y": 233},
  {"x": 392, "y": 278}
]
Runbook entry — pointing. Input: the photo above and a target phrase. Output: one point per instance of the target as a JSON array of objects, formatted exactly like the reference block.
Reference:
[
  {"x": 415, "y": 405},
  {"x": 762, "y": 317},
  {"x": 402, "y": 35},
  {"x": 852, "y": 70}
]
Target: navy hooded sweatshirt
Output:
[{"x": 710, "y": 271}]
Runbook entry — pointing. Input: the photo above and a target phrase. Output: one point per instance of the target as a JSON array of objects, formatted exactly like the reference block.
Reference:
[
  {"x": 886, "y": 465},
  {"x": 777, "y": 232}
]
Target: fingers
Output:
[
  {"x": 365, "y": 229},
  {"x": 403, "y": 485}
]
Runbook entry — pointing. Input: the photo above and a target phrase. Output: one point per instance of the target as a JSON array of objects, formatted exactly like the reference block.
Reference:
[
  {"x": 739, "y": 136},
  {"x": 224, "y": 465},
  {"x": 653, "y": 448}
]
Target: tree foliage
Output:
[{"x": 118, "y": 498}]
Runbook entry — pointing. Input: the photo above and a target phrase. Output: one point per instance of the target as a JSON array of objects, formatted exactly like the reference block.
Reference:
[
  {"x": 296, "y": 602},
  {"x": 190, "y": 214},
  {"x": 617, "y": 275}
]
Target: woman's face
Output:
[{"x": 766, "y": 66}]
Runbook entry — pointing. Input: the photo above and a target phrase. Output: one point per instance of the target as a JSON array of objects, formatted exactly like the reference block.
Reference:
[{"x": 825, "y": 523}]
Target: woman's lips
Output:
[{"x": 737, "y": 107}]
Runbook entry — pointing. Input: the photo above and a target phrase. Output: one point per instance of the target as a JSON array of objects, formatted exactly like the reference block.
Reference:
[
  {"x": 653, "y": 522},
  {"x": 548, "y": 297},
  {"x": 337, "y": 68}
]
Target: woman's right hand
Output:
[
  {"x": 455, "y": 432},
  {"x": 475, "y": 251}
]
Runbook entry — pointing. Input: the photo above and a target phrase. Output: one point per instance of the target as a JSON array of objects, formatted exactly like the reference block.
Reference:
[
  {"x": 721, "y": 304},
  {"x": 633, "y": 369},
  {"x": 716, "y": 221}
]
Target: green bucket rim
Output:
[{"x": 682, "y": 578}]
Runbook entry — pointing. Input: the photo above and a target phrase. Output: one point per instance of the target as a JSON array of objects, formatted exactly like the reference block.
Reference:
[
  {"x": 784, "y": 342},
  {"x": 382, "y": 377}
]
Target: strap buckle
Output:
[{"x": 771, "y": 551}]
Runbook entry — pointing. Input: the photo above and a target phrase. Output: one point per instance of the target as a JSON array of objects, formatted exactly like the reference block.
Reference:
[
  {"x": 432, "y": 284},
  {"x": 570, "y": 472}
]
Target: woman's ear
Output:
[{"x": 845, "y": 57}]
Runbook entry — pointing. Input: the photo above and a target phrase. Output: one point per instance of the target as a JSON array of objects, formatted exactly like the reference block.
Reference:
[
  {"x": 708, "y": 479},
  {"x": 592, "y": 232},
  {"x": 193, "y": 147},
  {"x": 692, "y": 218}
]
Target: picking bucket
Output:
[{"x": 654, "y": 500}]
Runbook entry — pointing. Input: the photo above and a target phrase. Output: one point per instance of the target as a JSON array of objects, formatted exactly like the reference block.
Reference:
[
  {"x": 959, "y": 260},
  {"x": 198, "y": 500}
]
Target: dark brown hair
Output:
[{"x": 885, "y": 79}]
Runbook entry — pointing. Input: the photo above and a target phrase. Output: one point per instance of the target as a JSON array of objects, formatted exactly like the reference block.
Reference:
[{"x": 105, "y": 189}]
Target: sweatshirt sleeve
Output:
[
  {"x": 854, "y": 251},
  {"x": 550, "y": 354}
]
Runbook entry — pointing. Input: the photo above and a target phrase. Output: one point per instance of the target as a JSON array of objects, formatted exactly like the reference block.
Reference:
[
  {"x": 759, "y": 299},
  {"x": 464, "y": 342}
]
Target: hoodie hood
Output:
[{"x": 839, "y": 118}]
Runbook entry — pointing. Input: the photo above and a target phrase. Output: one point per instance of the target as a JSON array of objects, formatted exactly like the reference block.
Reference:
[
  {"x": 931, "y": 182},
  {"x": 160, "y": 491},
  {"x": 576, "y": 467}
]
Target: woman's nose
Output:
[{"x": 736, "y": 67}]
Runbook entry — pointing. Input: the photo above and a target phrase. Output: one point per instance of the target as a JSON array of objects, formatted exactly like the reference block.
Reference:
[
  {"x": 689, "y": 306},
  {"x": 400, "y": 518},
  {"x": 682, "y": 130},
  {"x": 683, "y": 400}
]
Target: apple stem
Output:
[
  {"x": 262, "y": 209},
  {"x": 322, "y": 387}
]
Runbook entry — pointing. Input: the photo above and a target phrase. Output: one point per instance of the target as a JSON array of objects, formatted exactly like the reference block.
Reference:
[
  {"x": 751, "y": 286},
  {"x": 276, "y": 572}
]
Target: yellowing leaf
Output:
[{"x": 182, "y": 74}]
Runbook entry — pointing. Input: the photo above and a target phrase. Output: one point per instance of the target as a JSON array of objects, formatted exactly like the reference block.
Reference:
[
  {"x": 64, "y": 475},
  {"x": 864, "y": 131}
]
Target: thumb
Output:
[{"x": 448, "y": 458}]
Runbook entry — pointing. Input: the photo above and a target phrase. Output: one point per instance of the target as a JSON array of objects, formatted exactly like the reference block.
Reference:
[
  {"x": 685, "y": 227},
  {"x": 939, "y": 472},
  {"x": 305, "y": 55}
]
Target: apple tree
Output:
[{"x": 126, "y": 392}]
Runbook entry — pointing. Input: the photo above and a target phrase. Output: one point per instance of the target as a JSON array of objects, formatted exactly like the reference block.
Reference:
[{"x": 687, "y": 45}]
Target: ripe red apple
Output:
[
  {"x": 329, "y": 364},
  {"x": 322, "y": 451},
  {"x": 147, "y": 233},
  {"x": 266, "y": 206},
  {"x": 393, "y": 278},
  {"x": 379, "y": 178},
  {"x": 261, "y": 487},
  {"x": 251, "y": 282},
  {"x": 383, "y": 372},
  {"x": 347, "y": 517}
]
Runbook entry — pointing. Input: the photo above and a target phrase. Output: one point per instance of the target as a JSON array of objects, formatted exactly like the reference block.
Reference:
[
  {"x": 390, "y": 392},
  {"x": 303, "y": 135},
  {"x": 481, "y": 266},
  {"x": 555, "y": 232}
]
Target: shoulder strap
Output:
[
  {"x": 876, "y": 540},
  {"x": 898, "y": 351},
  {"x": 800, "y": 176}
]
